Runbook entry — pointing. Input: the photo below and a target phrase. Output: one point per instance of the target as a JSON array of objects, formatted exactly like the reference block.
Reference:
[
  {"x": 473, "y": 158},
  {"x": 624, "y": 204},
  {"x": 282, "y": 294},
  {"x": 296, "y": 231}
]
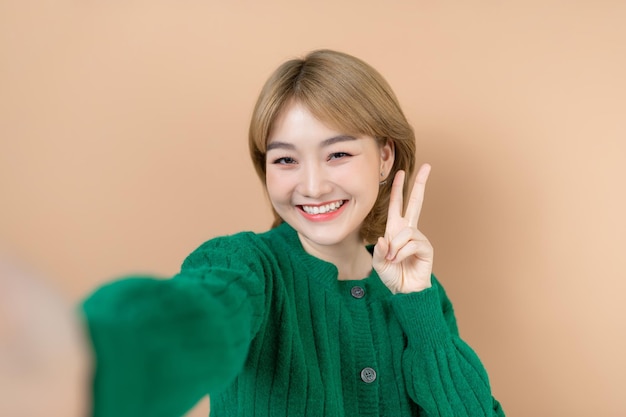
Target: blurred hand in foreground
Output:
[{"x": 44, "y": 360}]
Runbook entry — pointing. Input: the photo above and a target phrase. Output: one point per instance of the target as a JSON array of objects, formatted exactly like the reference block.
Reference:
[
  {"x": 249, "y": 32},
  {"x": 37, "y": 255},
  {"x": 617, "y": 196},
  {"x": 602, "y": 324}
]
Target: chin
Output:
[{"x": 323, "y": 236}]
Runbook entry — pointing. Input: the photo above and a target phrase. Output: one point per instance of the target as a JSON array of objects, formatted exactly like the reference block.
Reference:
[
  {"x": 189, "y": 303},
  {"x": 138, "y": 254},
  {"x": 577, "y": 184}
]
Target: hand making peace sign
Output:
[{"x": 403, "y": 258}]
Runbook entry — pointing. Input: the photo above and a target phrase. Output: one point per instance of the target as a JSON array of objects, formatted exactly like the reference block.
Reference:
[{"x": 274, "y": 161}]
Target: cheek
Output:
[
  {"x": 278, "y": 186},
  {"x": 367, "y": 183},
  {"x": 365, "y": 176}
]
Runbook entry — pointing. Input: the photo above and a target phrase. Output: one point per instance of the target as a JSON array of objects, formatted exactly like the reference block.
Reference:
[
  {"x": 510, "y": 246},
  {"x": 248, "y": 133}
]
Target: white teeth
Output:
[{"x": 323, "y": 209}]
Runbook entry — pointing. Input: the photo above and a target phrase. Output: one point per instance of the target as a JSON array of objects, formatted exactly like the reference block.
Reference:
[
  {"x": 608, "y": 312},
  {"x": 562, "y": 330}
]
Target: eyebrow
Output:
[{"x": 325, "y": 142}]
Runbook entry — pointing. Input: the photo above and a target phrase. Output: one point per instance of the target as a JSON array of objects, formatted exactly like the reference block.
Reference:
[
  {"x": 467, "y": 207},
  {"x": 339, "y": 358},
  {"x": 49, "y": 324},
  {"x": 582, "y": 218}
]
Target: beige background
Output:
[{"x": 123, "y": 146}]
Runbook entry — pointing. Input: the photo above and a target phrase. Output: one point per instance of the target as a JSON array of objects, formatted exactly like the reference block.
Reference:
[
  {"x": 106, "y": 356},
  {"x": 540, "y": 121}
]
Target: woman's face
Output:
[{"x": 321, "y": 181}]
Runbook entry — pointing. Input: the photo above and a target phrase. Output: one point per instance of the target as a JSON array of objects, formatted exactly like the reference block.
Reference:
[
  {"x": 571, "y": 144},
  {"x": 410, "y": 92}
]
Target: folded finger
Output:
[
  {"x": 419, "y": 248},
  {"x": 400, "y": 240}
]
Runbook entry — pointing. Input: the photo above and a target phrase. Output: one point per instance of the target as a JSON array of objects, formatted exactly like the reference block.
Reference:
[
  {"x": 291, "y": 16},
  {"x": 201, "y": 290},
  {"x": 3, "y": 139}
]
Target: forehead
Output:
[{"x": 295, "y": 122}]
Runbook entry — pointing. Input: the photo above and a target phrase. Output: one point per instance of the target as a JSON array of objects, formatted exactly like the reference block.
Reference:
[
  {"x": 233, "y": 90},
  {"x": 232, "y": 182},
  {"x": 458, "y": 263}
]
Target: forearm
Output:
[
  {"x": 443, "y": 374},
  {"x": 160, "y": 345}
]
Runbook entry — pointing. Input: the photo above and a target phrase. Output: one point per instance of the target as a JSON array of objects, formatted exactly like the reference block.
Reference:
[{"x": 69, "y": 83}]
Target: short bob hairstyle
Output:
[{"x": 346, "y": 94}]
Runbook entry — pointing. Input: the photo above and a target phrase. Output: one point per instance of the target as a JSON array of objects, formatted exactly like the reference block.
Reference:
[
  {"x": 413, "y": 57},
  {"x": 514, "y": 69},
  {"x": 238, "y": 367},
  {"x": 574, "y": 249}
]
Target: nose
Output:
[{"x": 314, "y": 181}]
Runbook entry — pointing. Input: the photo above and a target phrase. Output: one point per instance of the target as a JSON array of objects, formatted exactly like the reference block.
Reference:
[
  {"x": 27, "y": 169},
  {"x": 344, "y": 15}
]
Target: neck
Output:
[{"x": 351, "y": 257}]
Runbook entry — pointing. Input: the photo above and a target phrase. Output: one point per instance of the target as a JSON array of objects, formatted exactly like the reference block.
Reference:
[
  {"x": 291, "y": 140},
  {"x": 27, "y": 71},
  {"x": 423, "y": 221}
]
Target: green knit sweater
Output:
[{"x": 268, "y": 330}]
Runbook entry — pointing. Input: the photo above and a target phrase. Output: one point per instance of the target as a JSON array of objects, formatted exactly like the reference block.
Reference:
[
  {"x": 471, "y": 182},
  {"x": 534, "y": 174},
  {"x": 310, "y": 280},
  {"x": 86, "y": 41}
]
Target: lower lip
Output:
[{"x": 323, "y": 217}]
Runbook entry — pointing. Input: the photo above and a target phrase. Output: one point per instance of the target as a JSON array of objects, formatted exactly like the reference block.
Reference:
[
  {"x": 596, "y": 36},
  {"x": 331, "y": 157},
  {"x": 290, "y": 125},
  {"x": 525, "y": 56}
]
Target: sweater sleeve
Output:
[
  {"x": 443, "y": 374},
  {"x": 161, "y": 345}
]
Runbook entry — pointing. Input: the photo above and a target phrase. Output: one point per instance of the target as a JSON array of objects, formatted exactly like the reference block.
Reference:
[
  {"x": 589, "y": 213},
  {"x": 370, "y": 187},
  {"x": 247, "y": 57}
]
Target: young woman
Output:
[{"x": 332, "y": 312}]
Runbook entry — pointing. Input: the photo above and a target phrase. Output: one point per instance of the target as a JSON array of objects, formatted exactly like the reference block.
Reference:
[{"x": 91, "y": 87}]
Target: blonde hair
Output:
[{"x": 345, "y": 93}]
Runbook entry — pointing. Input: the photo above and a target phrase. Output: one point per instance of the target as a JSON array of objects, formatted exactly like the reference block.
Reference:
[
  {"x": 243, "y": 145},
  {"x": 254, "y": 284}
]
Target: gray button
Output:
[
  {"x": 357, "y": 292},
  {"x": 368, "y": 375}
]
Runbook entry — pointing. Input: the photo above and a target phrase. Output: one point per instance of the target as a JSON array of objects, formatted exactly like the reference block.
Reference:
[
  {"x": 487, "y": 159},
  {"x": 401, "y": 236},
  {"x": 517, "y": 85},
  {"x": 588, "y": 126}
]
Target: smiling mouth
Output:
[{"x": 323, "y": 209}]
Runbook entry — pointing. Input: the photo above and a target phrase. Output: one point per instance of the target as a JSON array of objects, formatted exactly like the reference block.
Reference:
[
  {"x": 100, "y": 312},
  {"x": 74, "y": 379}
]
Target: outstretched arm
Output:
[{"x": 161, "y": 345}]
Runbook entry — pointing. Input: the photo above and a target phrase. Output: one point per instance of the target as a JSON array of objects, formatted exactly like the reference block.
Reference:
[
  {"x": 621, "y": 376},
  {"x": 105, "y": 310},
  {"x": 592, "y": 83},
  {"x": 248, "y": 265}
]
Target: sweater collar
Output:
[{"x": 323, "y": 271}]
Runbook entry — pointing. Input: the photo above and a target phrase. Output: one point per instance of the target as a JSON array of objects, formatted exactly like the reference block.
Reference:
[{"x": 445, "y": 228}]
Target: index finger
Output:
[
  {"x": 416, "y": 199},
  {"x": 396, "y": 198}
]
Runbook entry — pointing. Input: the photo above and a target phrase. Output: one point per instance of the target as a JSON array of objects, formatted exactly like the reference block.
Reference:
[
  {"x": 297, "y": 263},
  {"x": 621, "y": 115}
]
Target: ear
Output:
[{"x": 387, "y": 157}]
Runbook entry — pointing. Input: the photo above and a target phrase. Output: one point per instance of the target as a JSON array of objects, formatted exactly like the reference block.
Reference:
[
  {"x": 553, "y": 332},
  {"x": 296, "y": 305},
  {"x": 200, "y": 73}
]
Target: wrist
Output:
[{"x": 411, "y": 287}]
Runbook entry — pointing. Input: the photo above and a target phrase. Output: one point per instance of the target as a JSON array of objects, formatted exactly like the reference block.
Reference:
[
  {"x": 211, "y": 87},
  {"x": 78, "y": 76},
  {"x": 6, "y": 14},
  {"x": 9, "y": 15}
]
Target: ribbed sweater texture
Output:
[{"x": 266, "y": 329}]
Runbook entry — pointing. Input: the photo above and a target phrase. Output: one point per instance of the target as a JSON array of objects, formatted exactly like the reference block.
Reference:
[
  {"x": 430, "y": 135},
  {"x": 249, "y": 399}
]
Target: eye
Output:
[
  {"x": 285, "y": 160},
  {"x": 338, "y": 155}
]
